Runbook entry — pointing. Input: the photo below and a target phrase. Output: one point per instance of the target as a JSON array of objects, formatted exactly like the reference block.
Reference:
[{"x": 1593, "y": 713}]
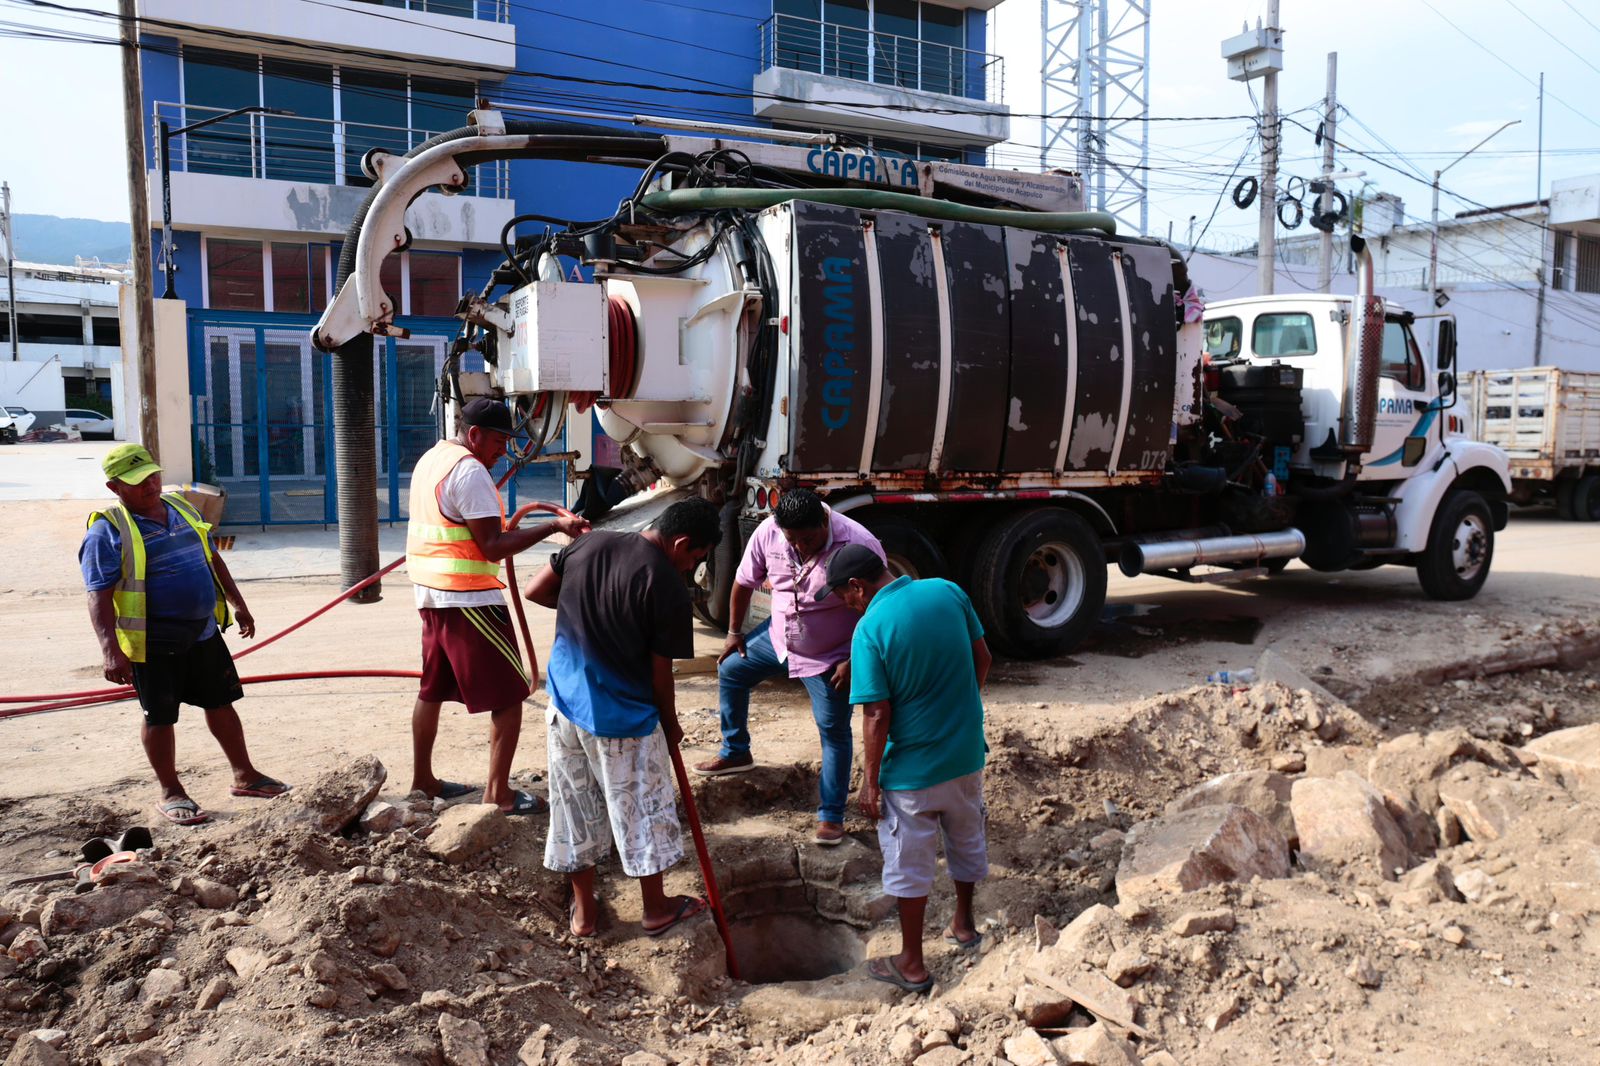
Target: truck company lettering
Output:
[
  {"x": 839, "y": 335},
  {"x": 884, "y": 169},
  {"x": 1392, "y": 406}
]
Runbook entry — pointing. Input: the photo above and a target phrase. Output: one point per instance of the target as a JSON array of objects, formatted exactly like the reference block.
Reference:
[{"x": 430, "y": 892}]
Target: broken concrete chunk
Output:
[
  {"x": 1430, "y": 883},
  {"x": 247, "y": 961},
  {"x": 1262, "y": 791},
  {"x": 945, "y": 1055},
  {"x": 905, "y": 1045},
  {"x": 1205, "y": 846},
  {"x": 1028, "y": 1048},
  {"x": 1570, "y": 757},
  {"x": 380, "y": 817},
  {"x": 162, "y": 987},
  {"x": 468, "y": 829},
  {"x": 1127, "y": 965},
  {"x": 532, "y": 1051},
  {"x": 97, "y": 909},
  {"x": 27, "y": 945},
  {"x": 1040, "y": 1007},
  {"x": 1474, "y": 885},
  {"x": 333, "y": 800},
  {"x": 1094, "y": 1045},
  {"x": 215, "y": 991},
  {"x": 31, "y": 1051},
  {"x": 645, "y": 1058},
  {"x": 214, "y": 894},
  {"x": 1344, "y": 820},
  {"x": 390, "y": 976},
  {"x": 1193, "y": 923},
  {"x": 464, "y": 1041},
  {"x": 54, "y": 1037},
  {"x": 1363, "y": 973},
  {"x": 1221, "y": 1012},
  {"x": 1095, "y": 929},
  {"x": 1489, "y": 805}
]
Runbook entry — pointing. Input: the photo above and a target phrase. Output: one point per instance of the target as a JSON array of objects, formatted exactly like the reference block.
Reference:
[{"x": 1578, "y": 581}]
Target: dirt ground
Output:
[{"x": 367, "y": 947}]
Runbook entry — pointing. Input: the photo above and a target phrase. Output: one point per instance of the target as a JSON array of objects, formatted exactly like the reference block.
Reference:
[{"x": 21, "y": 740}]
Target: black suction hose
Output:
[{"x": 354, "y": 438}]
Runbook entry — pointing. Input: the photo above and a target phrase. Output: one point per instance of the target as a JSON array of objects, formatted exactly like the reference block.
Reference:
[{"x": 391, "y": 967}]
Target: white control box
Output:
[{"x": 561, "y": 342}]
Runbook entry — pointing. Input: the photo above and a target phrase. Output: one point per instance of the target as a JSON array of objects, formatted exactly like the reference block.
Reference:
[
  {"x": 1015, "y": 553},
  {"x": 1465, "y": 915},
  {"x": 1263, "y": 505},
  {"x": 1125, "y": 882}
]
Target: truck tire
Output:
[
  {"x": 1565, "y": 490},
  {"x": 910, "y": 551},
  {"x": 1460, "y": 548},
  {"x": 1586, "y": 499},
  {"x": 1039, "y": 582}
]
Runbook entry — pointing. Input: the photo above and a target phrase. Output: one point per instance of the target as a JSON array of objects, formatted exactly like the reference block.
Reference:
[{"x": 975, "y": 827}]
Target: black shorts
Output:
[{"x": 203, "y": 676}]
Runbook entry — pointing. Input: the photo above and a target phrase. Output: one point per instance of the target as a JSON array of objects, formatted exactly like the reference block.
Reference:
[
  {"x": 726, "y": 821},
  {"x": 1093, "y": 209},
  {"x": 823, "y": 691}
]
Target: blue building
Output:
[{"x": 260, "y": 202}]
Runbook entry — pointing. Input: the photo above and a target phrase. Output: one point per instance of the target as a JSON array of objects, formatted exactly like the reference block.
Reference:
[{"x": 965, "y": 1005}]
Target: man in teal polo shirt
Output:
[{"x": 917, "y": 661}]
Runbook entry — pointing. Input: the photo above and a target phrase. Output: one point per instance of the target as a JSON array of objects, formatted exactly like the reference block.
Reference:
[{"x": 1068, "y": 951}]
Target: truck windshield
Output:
[
  {"x": 1223, "y": 338},
  {"x": 1286, "y": 334}
]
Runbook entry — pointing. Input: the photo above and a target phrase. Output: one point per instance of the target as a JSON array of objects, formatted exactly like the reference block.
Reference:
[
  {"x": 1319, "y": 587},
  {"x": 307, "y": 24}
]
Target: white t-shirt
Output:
[{"x": 468, "y": 492}]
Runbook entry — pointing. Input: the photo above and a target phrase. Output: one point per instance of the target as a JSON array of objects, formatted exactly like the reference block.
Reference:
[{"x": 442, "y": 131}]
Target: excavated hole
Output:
[{"x": 774, "y": 948}]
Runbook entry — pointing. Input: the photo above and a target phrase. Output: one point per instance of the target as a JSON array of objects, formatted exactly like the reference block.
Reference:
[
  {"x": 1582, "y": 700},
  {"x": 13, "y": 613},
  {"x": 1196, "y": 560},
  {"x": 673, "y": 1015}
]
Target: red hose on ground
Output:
[
  {"x": 713, "y": 896},
  {"x": 113, "y": 695}
]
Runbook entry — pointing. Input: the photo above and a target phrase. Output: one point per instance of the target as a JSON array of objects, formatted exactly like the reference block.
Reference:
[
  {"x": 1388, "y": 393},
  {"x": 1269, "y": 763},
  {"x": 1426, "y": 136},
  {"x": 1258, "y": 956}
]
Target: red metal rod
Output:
[{"x": 710, "y": 878}]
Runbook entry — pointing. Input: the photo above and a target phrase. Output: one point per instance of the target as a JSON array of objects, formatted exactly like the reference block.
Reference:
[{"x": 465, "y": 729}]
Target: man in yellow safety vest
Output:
[
  {"x": 454, "y": 545},
  {"x": 158, "y": 600}
]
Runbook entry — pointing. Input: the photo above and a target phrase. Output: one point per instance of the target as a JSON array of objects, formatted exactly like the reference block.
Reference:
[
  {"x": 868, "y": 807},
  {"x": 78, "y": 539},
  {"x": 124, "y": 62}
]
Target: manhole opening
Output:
[{"x": 773, "y": 948}]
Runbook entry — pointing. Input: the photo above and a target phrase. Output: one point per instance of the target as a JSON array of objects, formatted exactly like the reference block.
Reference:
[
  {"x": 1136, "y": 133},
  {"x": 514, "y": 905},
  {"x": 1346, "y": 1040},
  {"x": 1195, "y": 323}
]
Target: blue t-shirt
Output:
[
  {"x": 178, "y": 582},
  {"x": 913, "y": 648},
  {"x": 620, "y": 604}
]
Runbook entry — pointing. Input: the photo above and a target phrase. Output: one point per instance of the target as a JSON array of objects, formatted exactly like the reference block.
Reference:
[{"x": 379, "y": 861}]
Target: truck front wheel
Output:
[
  {"x": 1455, "y": 563},
  {"x": 1039, "y": 582}
]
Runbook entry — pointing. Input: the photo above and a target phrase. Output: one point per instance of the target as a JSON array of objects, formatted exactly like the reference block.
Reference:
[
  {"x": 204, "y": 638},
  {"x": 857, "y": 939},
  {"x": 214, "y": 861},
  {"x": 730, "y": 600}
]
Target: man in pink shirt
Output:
[{"x": 806, "y": 638}]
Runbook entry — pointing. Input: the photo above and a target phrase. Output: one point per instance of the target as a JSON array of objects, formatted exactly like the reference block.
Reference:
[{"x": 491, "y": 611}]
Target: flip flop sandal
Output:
[
  {"x": 964, "y": 945},
  {"x": 451, "y": 790},
  {"x": 690, "y": 907},
  {"x": 523, "y": 803},
  {"x": 182, "y": 812},
  {"x": 572, "y": 918},
  {"x": 885, "y": 970},
  {"x": 260, "y": 788}
]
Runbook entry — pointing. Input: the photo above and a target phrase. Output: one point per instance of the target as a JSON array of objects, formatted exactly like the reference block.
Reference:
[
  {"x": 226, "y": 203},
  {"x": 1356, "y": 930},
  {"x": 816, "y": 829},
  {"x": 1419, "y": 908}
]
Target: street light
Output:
[
  {"x": 167, "y": 134},
  {"x": 1433, "y": 244}
]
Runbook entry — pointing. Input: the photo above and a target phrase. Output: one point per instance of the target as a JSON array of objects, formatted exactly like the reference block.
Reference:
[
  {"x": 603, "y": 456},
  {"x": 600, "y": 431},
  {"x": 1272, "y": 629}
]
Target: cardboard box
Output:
[{"x": 207, "y": 499}]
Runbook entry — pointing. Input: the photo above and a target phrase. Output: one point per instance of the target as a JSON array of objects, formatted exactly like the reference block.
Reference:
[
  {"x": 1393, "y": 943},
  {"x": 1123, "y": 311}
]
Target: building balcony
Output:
[
  {"x": 824, "y": 74},
  {"x": 275, "y": 174},
  {"x": 473, "y": 34}
]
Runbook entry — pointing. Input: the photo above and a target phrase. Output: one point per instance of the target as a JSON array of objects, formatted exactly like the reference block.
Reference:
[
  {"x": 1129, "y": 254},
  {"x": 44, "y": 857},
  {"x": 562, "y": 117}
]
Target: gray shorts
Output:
[
  {"x": 914, "y": 821},
  {"x": 605, "y": 789}
]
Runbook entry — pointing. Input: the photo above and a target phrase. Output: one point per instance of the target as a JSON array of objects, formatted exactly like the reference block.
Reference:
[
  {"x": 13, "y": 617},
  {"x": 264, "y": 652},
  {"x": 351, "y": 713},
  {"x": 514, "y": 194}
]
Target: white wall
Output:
[
  {"x": 220, "y": 204},
  {"x": 36, "y": 386}
]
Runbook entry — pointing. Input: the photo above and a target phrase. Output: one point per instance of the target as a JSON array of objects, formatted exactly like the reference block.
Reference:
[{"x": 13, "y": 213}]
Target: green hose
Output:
[{"x": 683, "y": 201}]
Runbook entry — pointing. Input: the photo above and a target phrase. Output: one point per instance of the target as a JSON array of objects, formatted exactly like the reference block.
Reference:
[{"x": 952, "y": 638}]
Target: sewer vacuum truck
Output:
[{"x": 999, "y": 386}]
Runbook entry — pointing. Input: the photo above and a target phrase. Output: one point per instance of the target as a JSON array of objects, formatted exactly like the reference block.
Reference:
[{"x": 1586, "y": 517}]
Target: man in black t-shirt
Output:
[{"x": 622, "y": 616}]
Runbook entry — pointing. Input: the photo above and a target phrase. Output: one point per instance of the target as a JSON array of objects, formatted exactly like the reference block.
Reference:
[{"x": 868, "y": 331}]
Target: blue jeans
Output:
[{"x": 739, "y": 674}]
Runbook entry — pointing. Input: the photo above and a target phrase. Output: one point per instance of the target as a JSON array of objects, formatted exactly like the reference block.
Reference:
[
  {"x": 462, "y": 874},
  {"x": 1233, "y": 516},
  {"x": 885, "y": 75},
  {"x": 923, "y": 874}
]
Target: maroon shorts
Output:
[{"x": 470, "y": 656}]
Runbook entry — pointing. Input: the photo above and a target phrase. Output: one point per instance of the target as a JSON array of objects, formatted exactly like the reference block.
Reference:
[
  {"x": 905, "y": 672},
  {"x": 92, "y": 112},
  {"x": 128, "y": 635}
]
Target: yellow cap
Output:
[{"x": 129, "y": 464}]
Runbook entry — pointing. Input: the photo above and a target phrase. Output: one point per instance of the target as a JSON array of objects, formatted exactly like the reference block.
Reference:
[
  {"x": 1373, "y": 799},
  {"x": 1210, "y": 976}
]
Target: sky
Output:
[{"x": 1423, "y": 81}]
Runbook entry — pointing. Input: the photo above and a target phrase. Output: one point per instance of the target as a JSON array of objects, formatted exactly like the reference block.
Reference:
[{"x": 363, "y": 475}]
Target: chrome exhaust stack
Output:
[
  {"x": 1136, "y": 559},
  {"x": 1363, "y": 354}
]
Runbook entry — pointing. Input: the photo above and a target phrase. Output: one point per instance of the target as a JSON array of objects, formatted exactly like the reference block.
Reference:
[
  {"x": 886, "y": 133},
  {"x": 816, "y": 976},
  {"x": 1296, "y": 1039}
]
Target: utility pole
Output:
[
  {"x": 1330, "y": 114},
  {"x": 1544, "y": 229},
  {"x": 1438, "y": 298},
  {"x": 11, "y": 271},
  {"x": 139, "y": 213},
  {"x": 1267, "y": 253}
]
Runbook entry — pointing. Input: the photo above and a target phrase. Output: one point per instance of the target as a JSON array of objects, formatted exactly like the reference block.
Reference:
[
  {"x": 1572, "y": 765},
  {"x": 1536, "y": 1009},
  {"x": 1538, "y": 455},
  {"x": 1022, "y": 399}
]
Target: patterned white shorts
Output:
[{"x": 604, "y": 789}]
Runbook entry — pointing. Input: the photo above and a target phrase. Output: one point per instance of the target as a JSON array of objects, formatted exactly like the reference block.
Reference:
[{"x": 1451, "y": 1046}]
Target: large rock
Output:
[
  {"x": 1432, "y": 882},
  {"x": 334, "y": 800},
  {"x": 467, "y": 830},
  {"x": 31, "y": 1051},
  {"x": 103, "y": 907},
  {"x": 1205, "y": 846},
  {"x": 1570, "y": 757},
  {"x": 161, "y": 987},
  {"x": 1262, "y": 791},
  {"x": 1488, "y": 805},
  {"x": 1094, "y": 1045},
  {"x": 1407, "y": 771},
  {"x": 464, "y": 1041},
  {"x": 1344, "y": 820}
]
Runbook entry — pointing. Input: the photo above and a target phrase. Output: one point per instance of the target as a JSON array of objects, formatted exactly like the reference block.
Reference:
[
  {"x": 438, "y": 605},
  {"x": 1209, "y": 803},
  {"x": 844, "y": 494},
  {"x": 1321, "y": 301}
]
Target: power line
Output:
[{"x": 1545, "y": 30}]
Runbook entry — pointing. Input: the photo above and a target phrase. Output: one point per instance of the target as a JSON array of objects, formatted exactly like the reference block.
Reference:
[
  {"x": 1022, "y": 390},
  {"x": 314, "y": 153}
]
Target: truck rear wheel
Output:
[
  {"x": 1460, "y": 548},
  {"x": 1039, "y": 582},
  {"x": 714, "y": 577},
  {"x": 1586, "y": 499},
  {"x": 1565, "y": 490}
]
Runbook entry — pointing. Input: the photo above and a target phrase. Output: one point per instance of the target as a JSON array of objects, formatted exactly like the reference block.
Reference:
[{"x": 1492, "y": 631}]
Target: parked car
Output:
[
  {"x": 89, "y": 423},
  {"x": 22, "y": 419}
]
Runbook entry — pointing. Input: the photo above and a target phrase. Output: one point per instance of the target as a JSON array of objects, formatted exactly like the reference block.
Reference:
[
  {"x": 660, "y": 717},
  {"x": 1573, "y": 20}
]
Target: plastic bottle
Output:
[
  {"x": 1247, "y": 676},
  {"x": 1270, "y": 486}
]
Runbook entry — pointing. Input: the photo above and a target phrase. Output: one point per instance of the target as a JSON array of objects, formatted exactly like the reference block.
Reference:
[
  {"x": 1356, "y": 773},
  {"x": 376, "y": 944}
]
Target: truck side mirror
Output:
[
  {"x": 1447, "y": 389},
  {"x": 1447, "y": 343}
]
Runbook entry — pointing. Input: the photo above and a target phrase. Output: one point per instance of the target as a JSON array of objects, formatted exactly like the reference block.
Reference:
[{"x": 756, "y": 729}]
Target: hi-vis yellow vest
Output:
[
  {"x": 440, "y": 553},
  {"x": 128, "y": 596}
]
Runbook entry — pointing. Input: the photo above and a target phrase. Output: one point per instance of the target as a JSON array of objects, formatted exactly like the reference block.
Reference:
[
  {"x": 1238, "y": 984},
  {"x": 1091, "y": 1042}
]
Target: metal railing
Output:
[
  {"x": 325, "y": 151},
  {"x": 795, "y": 43},
  {"x": 482, "y": 10}
]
